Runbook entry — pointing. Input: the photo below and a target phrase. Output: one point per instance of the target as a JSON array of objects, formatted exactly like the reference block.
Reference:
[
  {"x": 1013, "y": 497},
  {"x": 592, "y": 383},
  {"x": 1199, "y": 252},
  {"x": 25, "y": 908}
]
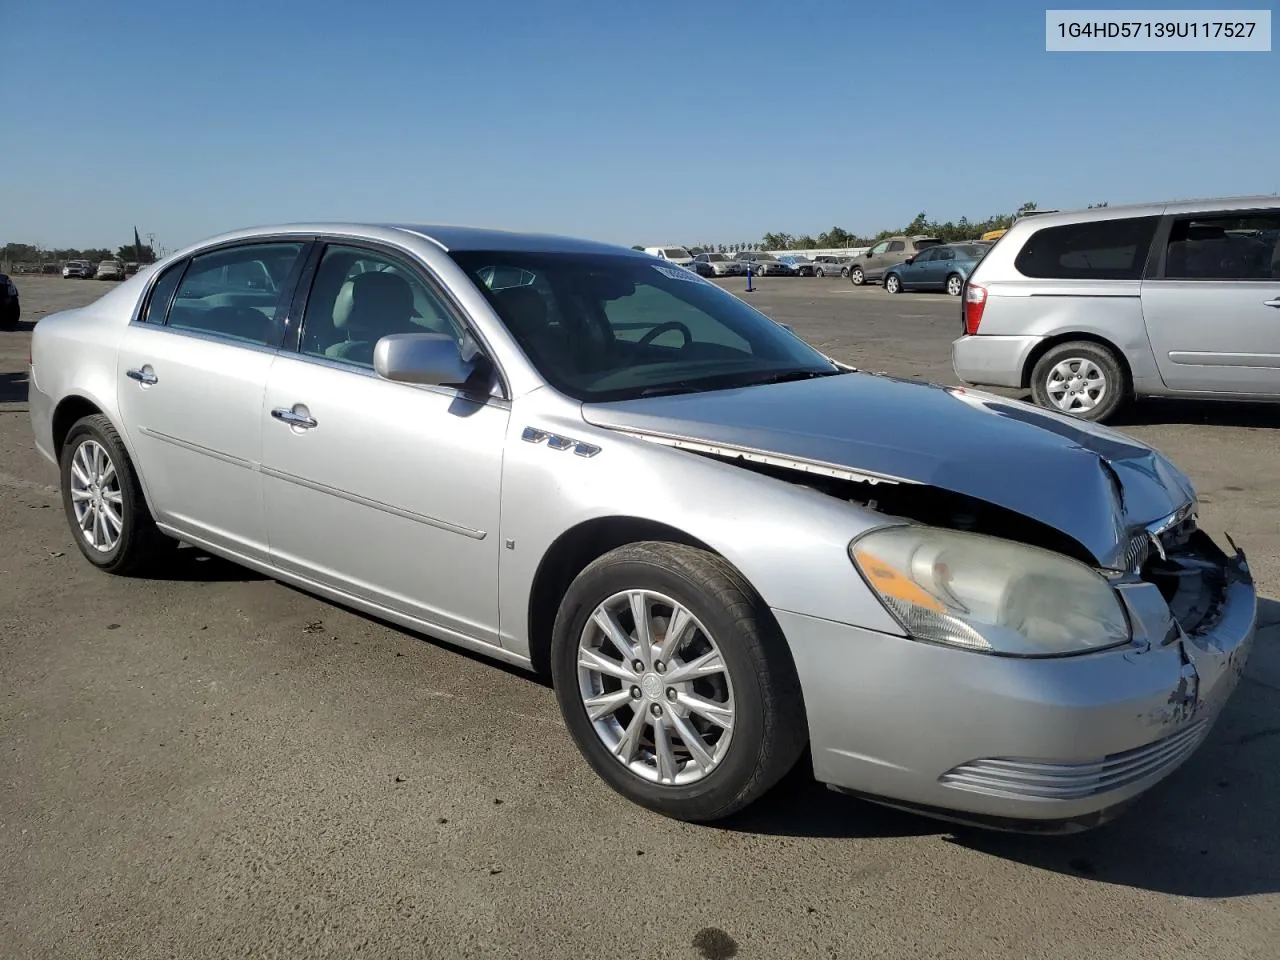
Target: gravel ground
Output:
[{"x": 215, "y": 765}]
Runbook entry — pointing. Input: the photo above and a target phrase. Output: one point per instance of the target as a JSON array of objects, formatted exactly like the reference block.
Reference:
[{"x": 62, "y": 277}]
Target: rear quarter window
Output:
[{"x": 1095, "y": 250}]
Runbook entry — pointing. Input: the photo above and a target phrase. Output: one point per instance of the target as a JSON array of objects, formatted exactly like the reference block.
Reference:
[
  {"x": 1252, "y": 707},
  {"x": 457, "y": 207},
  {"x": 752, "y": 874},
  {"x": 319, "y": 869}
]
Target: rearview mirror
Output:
[{"x": 432, "y": 359}]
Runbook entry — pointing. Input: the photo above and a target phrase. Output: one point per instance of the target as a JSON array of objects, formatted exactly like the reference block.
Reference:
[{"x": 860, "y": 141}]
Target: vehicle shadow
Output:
[
  {"x": 1214, "y": 413},
  {"x": 192, "y": 565},
  {"x": 1208, "y": 831},
  {"x": 13, "y": 388}
]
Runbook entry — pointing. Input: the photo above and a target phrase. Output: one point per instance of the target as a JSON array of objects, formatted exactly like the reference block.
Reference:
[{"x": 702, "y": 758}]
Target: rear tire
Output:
[
  {"x": 98, "y": 478},
  {"x": 752, "y": 682},
  {"x": 955, "y": 284},
  {"x": 1081, "y": 379}
]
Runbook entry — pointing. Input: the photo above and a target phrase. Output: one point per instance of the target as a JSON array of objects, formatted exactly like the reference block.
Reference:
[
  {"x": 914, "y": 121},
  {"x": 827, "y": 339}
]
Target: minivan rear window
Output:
[{"x": 1096, "y": 250}]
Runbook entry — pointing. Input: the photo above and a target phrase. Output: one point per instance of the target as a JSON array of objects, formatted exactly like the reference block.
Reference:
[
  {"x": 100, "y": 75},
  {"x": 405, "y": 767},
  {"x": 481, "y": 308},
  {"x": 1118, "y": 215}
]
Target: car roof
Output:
[
  {"x": 449, "y": 238},
  {"x": 1150, "y": 209}
]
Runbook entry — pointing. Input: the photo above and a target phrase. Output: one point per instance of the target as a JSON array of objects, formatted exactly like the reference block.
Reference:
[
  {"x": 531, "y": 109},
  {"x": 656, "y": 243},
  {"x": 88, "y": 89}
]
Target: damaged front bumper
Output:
[{"x": 1036, "y": 744}]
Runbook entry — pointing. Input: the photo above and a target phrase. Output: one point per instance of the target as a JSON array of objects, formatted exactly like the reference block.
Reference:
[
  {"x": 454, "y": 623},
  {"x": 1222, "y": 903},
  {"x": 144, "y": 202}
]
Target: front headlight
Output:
[{"x": 983, "y": 593}]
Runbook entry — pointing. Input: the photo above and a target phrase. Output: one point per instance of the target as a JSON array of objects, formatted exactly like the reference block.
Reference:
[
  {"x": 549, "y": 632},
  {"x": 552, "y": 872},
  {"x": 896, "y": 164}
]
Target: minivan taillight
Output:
[{"x": 975, "y": 301}]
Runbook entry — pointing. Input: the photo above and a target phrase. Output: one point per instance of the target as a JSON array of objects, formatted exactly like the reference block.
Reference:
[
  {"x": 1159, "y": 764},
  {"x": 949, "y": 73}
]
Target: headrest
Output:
[{"x": 373, "y": 294}]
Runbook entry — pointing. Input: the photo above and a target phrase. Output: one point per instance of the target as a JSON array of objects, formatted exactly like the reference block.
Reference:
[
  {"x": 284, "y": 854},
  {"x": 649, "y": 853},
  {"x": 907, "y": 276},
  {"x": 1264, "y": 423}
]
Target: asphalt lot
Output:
[{"x": 215, "y": 765}]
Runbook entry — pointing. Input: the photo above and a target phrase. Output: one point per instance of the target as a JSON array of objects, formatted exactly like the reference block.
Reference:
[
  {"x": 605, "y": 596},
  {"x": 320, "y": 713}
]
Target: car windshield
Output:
[
  {"x": 677, "y": 253},
  {"x": 765, "y": 256},
  {"x": 717, "y": 257},
  {"x": 603, "y": 327}
]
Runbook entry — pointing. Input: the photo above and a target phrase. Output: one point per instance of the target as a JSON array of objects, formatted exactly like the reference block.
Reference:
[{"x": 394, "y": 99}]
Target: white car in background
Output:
[{"x": 677, "y": 255}]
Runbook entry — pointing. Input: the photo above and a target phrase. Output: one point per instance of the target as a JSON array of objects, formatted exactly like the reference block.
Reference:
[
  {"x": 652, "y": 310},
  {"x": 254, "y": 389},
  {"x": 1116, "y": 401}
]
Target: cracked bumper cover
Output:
[{"x": 1021, "y": 741}]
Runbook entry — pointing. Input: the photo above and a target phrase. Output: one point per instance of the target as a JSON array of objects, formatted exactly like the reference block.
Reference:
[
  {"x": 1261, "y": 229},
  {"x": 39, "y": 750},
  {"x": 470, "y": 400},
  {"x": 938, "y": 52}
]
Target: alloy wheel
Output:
[
  {"x": 954, "y": 283},
  {"x": 96, "y": 496},
  {"x": 656, "y": 688}
]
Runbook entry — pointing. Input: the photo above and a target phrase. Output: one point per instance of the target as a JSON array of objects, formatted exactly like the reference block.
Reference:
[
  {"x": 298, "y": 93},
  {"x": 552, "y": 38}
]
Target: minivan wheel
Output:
[
  {"x": 955, "y": 284},
  {"x": 893, "y": 283},
  {"x": 857, "y": 277},
  {"x": 675, "y": 682},
  {"x": 103, "y": 501},
  {"x": 1082, "y": 379}
]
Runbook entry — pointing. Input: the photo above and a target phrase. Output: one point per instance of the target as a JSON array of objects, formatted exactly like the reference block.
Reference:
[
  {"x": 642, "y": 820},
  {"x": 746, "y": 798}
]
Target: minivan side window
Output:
[
  {"x": 1095, "y": 250},
  {"x": 1231, "y": 247},
  {"x": 235, "y": 292},
  {"x": 897, "y": 246}
]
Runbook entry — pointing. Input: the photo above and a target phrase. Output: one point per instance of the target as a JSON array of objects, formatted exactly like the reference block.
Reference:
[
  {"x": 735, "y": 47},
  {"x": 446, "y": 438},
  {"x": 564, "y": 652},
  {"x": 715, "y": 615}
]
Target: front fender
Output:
[{"x": 791, "y": 543}]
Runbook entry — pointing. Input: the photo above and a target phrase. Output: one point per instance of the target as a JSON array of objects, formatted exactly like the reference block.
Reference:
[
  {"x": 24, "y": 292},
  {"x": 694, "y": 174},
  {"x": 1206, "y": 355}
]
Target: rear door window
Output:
[
  {"x": 1096, "y": 250},
  {"x": 1232, "y": 247}
]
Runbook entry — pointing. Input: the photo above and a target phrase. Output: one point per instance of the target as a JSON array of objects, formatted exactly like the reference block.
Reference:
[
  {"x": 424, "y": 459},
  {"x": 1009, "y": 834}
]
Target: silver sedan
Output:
[{"x": 720, "y": 545}]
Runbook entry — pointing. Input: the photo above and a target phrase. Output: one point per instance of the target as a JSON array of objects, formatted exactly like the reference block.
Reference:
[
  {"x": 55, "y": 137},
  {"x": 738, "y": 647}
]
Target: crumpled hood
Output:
[{"x": 1093, "y": 484}]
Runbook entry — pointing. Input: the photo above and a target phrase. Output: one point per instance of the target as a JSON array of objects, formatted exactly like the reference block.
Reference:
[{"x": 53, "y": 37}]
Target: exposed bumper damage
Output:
[{"x": 1052, "y": 743}]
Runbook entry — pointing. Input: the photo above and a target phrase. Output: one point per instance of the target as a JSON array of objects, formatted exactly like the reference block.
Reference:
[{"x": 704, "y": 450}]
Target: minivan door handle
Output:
[
  {"x": 1271, "y": 303},
  {"x": 142, "y": 376}
]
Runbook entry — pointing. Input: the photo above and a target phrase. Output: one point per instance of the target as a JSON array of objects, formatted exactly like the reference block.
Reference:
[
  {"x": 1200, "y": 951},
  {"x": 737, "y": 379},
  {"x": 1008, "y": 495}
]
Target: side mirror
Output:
[
  {"x": 909, "y": 260},
  {"x": 432, "y": 359},
  {"x": 787, "y": 327}
]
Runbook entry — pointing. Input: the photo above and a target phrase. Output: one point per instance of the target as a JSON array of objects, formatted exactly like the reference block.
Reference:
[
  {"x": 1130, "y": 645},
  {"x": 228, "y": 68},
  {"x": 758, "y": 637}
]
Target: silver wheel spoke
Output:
[
  {"x": 644, "y": 629},
  {"x": 607, "y": 622},
  {"x": 108, "y": 474},
  {"x": 677, "y": 626},
  {"x": 630, "y": 740},
  {"x": 689, "y": 737},
  {"x": 78, "y": 472},
  {"x": 591, "y": 660},
  {"x": 707, "y": 665},
  {"x": 113, "y": 523},
  {"x": 667, "y": 767},
  {"x": 113, "y": 497},
  {"x": 721, "y": 714},
  {"x": 79, "y": 495},
  {"x": 607, "y": 703}
]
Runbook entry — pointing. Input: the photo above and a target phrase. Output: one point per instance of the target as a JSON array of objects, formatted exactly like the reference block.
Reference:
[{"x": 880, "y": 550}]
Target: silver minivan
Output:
[{"x": 1092, "y": 308}]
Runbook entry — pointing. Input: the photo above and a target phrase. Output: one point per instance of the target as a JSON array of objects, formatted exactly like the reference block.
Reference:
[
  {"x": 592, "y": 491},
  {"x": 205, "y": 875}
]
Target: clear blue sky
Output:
[{"x": 632, "y": 122}]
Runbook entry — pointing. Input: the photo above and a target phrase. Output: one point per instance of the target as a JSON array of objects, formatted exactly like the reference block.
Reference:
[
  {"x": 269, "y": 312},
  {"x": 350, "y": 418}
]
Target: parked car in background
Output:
[
  {"x": 826, "y": 265},
  {"x": 10, "y": 306},
  {"x": 887, "y": 253},
  {"x": 717, "y": 265},
  {"x": 804, "y": 266},
  {"x": 110, "y": 270},
  {"x": 729, "y": 553},
  {"x": 79, "y": 269},
  {"x": 766, "y": 264},
  {"x": 1092, "y": 308},
  {"x": 944, "y": 267},
  {"x": 677, "y": 255}
]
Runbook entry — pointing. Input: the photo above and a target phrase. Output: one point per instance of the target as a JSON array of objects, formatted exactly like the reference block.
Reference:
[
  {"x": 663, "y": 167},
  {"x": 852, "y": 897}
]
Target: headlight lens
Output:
[{"x": 983, "y": 593}]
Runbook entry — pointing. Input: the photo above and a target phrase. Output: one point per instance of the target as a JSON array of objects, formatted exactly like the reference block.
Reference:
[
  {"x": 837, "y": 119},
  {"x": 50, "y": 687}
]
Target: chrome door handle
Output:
[
  {"x": 286, "y": 415},
  {"x": 1271, "y": 303},
  {"x": 142, "y": 376}
]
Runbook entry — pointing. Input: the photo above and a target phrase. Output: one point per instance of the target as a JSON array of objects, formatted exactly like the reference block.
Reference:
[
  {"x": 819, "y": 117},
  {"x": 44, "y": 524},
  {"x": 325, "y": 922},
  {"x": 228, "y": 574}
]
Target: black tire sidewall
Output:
[
  {"x": 718, "y": 789},
  {"x": 121, "y": 554},
  {"x": 1117, "y": 382}
]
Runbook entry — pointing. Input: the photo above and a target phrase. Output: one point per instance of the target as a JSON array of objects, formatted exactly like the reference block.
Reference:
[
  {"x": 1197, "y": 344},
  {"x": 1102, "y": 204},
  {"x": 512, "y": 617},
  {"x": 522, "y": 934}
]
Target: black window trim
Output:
[
  {"x": 1158, "y": 258},
  {"x": 288, "y": 289},
  {"x": 302, "y": 293}
]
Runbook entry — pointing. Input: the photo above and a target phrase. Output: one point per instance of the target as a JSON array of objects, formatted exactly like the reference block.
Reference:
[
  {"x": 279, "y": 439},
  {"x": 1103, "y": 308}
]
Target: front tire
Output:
[
  {"x": 695, "y": 724},
  {"x": 1082, "y": 379},
  {"x": 893, "y": 283},
  {"x": 103, "y": 501},
  {"x": 857, "y": 277}
]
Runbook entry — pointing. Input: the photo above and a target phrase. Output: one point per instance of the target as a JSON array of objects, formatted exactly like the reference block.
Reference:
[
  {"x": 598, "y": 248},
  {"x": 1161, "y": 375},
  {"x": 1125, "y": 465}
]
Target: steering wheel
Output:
[{"x": 662, "y": 328}]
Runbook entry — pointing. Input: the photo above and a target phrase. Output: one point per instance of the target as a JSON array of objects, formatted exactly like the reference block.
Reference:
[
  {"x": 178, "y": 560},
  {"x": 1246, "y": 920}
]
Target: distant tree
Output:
[
  {"x": 97, "y": 254},
  {"x": 1098, "y": 206},
  {"x": 134, "y": 254},
  {"x": 804, "y": 242}
]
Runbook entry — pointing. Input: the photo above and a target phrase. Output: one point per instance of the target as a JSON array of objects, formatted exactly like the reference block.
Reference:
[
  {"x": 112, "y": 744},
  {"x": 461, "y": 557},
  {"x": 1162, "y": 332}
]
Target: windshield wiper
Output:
[{"x": 785, "y": 376}]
